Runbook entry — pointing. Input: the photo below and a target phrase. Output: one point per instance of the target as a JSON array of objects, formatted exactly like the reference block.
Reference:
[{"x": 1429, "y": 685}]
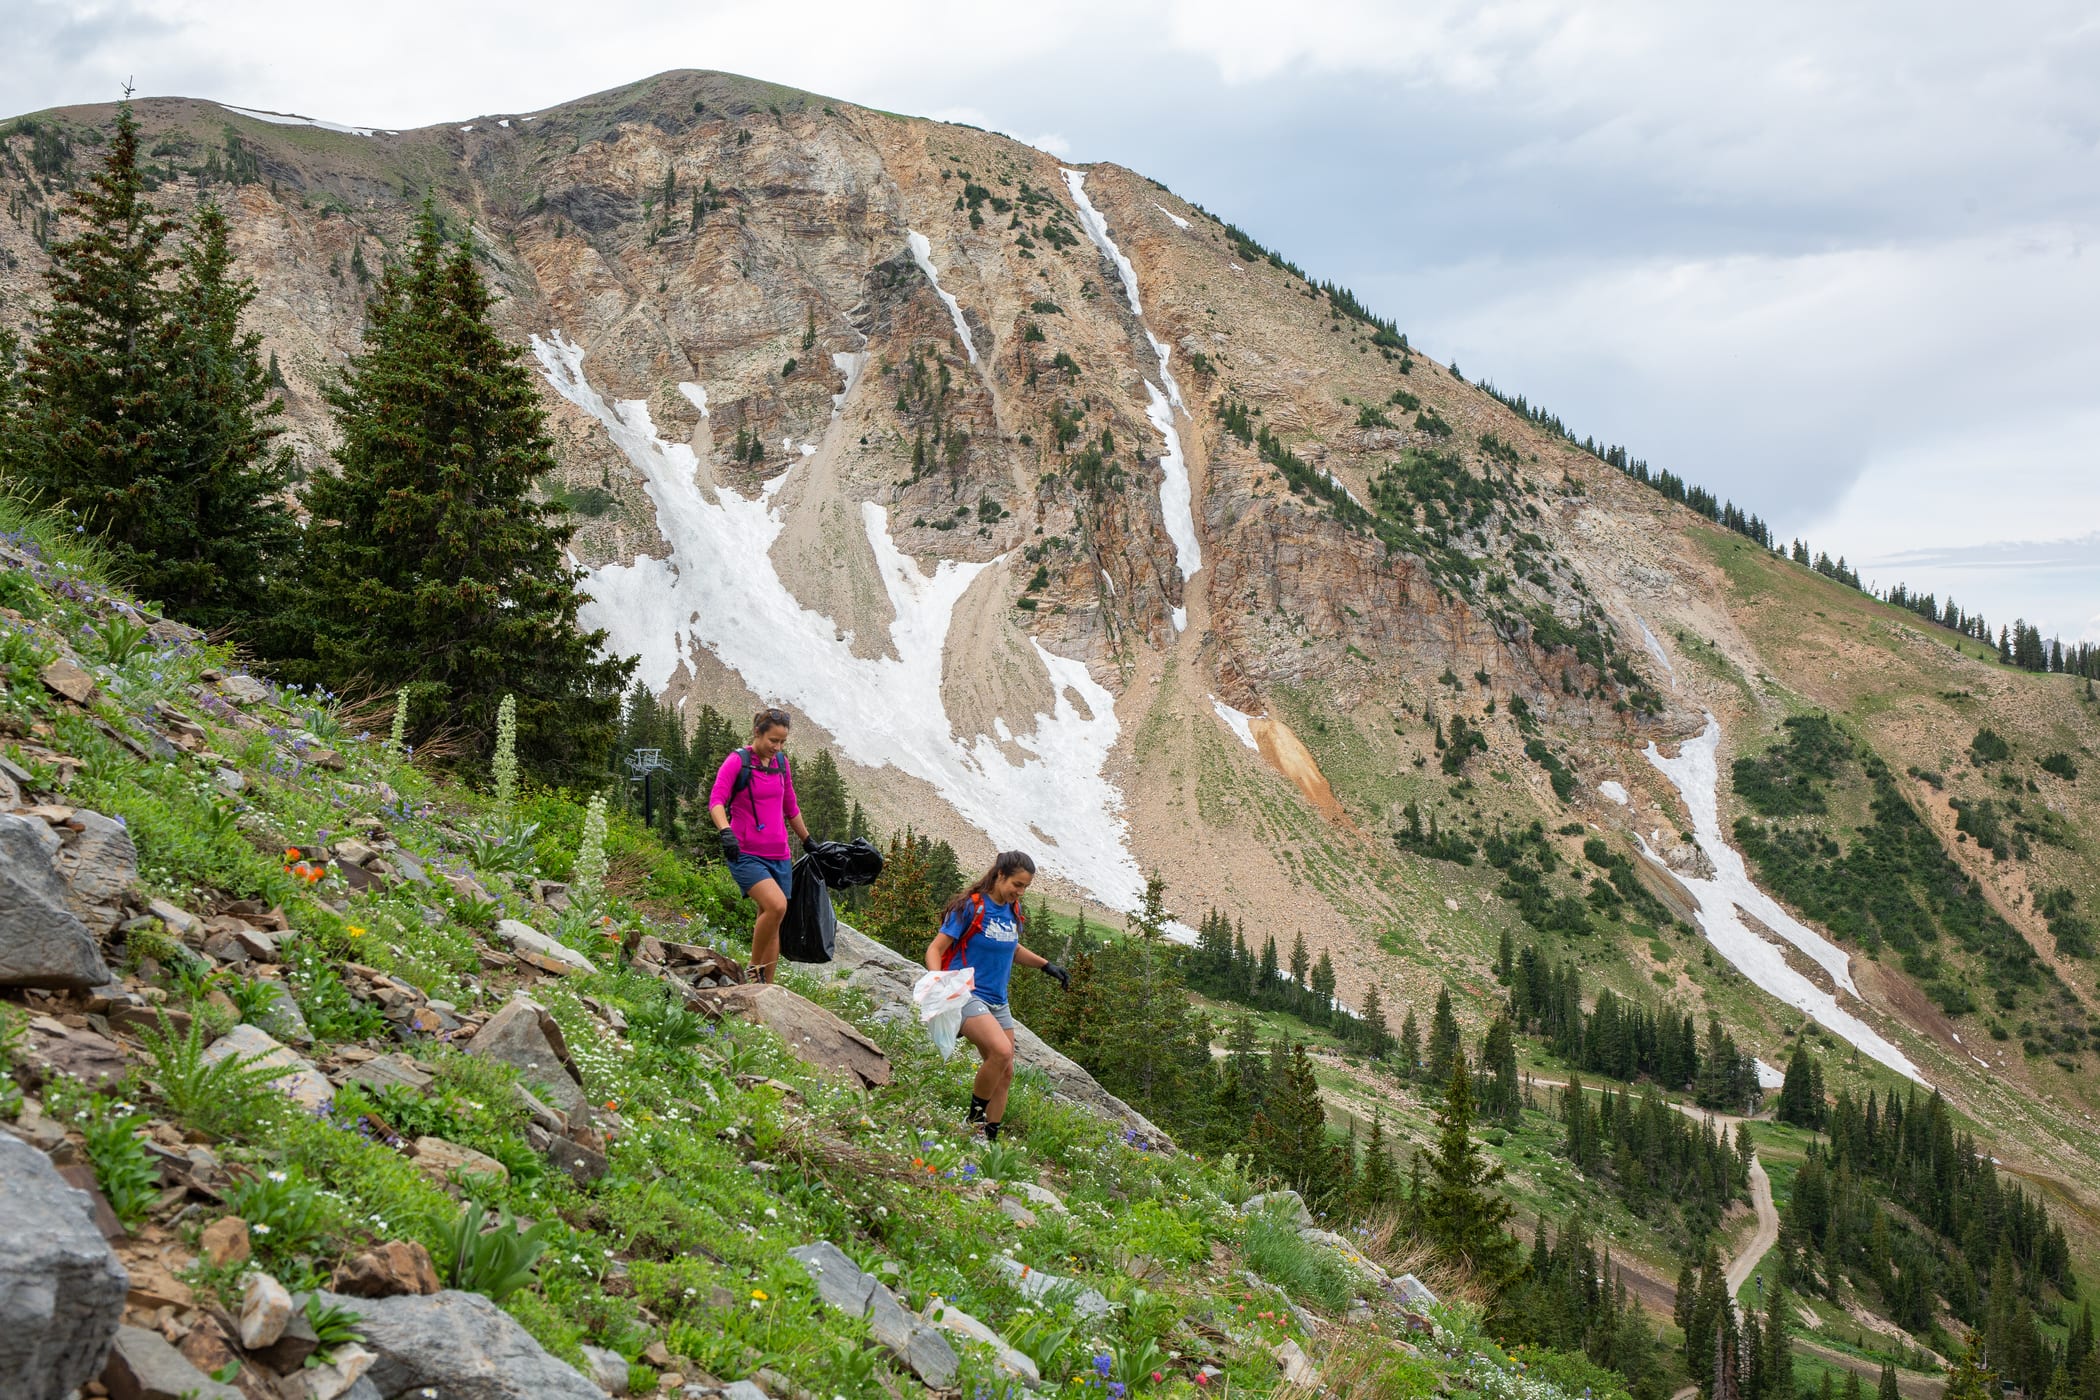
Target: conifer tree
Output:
[
  {"x": 821, "y": 791},
  {"x": 1462, "y": 1217},
  {"x": 1379, "y": 1186},
  {"x": 144, "y": 410},
  {"x": 1322, "y": 990},
  {"x": 1443, "y": 1047},
  {"x": 1500, "y": 1098},
  {"x": 1410, "y": 1045},
  {"x": 901, "y": 910},
  {"x": 1265, "y": 976},
  {"x": 1887, "y": 1389},
  {"x": 1376, "y": 1038},
  {"x": 428, "y": 561},
  {"x": 1301, "y": 963},
  {"x": 1853, "y": 1390}
]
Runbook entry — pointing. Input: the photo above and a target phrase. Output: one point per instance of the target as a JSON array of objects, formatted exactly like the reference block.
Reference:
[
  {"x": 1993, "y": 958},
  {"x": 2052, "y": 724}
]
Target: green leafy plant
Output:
[
  {"x": 414, "y": 1114},
  {"x": 502, "y": 845},
  {"x": 216, "y": 1097},
  {"x": 285, "y": 1212},
  {"x": 129, "y": 1180},
  {"x": 1000, "y": 1161},
  {"x": 334, "y": 1326},
  {"x": 1301, "y": 1269},
  {"x": 1042, "y": 1339},
  {"x": 330, "y": 1011},
  {"x": 120, "y": 636},
  {"x": 666, "y": 1025},
  {"x": 252, "y": 997},
  {"x": 496, "y": 1262}
]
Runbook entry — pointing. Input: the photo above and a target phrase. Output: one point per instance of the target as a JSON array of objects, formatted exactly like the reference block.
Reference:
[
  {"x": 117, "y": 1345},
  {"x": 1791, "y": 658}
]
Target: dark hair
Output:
[
  {"x": 1006, "y": 863},
  {"x": 772, "y": 717}
]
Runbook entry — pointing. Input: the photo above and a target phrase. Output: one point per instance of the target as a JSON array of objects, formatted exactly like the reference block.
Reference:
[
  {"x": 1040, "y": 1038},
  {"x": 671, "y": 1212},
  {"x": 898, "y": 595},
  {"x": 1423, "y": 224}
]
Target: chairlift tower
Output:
[{"x": 643, "y": 764}]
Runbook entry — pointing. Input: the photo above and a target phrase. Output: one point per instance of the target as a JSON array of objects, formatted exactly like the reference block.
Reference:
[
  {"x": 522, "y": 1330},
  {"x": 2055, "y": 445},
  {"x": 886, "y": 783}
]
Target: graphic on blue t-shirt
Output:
[{"x": 990, "y": 952}]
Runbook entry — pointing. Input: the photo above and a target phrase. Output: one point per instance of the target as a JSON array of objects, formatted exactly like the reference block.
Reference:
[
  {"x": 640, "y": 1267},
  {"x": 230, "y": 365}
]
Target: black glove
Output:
[
  {"x": 809, "y": 845},
  {"x": 1064, "y": 978},
  {"x": 730, "y": 849}
]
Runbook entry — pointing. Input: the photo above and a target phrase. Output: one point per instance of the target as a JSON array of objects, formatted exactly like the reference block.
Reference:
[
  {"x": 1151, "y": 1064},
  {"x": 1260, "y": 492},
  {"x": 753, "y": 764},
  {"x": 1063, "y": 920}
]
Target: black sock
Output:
[
  {"x": 977, "y": 1107},
  {"x": 991, "y": 1131}
]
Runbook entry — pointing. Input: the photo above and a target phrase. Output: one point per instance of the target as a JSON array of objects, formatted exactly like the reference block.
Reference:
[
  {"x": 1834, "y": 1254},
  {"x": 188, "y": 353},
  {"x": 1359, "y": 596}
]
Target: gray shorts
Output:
[{"x": 997, "y": 1010}]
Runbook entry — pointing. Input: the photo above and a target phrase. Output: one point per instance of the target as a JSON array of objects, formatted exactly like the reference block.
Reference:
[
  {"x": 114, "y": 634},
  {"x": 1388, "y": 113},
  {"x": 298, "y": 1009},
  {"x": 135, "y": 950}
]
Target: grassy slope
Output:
[{"x": 727, "y": 1150}]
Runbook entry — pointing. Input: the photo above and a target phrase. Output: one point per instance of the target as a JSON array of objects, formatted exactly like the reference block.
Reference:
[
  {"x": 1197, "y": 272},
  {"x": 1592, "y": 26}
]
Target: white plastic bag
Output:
[{"x": 940, "y": 997}]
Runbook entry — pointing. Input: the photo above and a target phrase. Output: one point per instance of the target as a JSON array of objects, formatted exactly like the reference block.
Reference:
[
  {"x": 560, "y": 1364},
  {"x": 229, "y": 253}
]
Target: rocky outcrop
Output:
[
  {"x": 61, "y": 1287},
  {"x": 43, "y": 942},
  {"x": 460, "y": 1346},
  {"x": 887, "y": 977},
  {"x": 811, "y": 1034},
  {"x": 523, "y": 1035}
]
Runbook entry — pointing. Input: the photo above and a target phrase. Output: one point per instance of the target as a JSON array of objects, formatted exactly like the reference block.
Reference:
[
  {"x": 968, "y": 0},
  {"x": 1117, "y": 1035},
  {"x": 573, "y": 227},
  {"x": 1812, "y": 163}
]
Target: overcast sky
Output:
[{"x": 1826, "y": 260}]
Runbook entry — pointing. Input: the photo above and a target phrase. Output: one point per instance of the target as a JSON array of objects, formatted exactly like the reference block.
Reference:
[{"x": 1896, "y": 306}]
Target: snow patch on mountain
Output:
[
  {"x": 1655, "y": 649},
  {"x": 1730, "y": 893},
  {"x": 922, "y": 254},
  {"x": 718, "y": 589},
  {"x": 1176, "y": 497},
  {"x": 1179, "y": 222},
  {"x": 849, "y": 363},
  {"x": 287, "y": 119},
  {"x": 1238, "y": 721},
  {"x": 1612, "y": 788}
]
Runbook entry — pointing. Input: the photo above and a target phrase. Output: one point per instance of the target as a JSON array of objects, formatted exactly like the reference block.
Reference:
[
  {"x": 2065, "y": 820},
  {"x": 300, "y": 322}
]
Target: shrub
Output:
[
  {"x": 1989, "y": 747},
  {"x": 2062, "y": 766}
]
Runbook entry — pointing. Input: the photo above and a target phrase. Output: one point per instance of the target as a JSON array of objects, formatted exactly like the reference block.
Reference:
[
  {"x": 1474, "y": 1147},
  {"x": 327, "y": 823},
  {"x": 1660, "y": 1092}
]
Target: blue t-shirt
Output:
[{"x": 990, "y": 951}]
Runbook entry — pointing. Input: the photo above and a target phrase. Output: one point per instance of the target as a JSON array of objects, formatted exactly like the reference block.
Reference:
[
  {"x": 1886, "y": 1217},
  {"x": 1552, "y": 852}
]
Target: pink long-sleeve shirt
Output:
[{"x": 759, "y": 814}]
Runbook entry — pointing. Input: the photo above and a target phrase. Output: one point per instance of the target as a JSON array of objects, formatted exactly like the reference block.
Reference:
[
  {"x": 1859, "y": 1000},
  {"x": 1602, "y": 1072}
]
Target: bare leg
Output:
[
  {"x": 996, "y": 1075},
  {"x": 765, "y": 934}
]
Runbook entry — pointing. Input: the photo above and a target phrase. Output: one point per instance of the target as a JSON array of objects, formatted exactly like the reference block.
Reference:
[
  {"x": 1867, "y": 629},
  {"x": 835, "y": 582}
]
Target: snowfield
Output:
[
  {"x": 718, "y": 589},
  {"x": 287, "y": 119},
  {"x": 1731, "y": 893},
  {"x": 1238, "y": 721},
  {"x": 1176, "y": 499}
]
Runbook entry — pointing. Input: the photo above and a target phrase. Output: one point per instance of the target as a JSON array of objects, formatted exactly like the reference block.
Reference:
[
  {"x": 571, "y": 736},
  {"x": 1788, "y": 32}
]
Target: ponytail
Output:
[{"x": 1004, "y": 865}]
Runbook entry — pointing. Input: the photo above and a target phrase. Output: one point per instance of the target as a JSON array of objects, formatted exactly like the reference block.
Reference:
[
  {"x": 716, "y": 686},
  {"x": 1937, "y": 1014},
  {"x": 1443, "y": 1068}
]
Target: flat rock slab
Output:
[
  {"x": 52, "y": 1047},
  {"x": 543, "y": 952},
  {"x": 950, "y": 1318},
  {"x": 61, "y": 1286},
  {"x": 296, "y": 1078},
  {"x": 813, "y": 1035},
  {"x": 43, "y": 942},
  {"x": 66, "y": 677},
  {"x": 524, "y": 1035},
  {"x": 143, "y": 1366},
  {"x": 390, "y": 1071},
  {"x": 1035, "y": 1284},
  {"x": 442, "y": 1160},
  {"x": 462, "y": 1347}
]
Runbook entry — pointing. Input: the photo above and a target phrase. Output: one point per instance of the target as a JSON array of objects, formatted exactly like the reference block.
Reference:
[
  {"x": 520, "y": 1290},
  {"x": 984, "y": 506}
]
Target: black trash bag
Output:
[
  {"x": 810, "y": 927},
  {"x": 845, "y": 866}
]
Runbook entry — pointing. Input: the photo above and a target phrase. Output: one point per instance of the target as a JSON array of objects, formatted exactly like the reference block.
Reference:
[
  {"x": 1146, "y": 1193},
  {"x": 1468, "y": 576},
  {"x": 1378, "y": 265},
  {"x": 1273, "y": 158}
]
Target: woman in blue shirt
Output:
[{"x": 981, "y": 930}]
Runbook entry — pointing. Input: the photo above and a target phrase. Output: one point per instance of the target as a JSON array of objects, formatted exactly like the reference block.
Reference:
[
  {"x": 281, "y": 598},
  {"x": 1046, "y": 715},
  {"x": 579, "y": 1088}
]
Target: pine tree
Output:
[
  {"x": 944, "y": 875},
  {"x": 901, "y": 911},
  {"x": 1887, "y": 1389},
  {"x": 821, "y": 791},
  {"x": 1301, "y": 963},
  {"x": 1410, "y": 1045},
  {"x": 1379, "y": 1186},
  {"x": 1498, "y": 1061},
  {"x": 1323, "y": 990},
  {"x": 1443, "y": 1046},
  {"x": 1377, "y": 1040},
  {"x": 1800, "y": 1101},
  {"x": 428, "y": 562},
  {"x": 97, "y": 397},
  {"x": 1462, "y": 1217},
  {"x": 1264, "y": 989}
]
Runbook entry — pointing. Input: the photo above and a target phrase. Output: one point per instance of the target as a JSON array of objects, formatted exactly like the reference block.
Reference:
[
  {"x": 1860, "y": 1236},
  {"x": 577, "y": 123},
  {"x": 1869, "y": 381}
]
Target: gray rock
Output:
[
  {"x": 547, "y": 954},
  {"x": 607, "y": 1368},
  {"x": 390, "y": 1070},
  {"x": 282, "y": 1017},
  {"x": 460, "y": 1346},
  {"x": 1035, "y": 1284},
  {"x": 53, "y": 1047},
  {"x": 842, "y": 1285},
  {"x": 142, "y": 1366},
  {"x": 43, "y": 943},
  {"x": 1412, "y": 1291},
  {"x": 1287, "y": 1203},
  {"x": 887, "y": 977},
  {"x": 743, "y": 1390},
  {"x": 524, "y": 1035},
  {"x": 949, "y": 1318},
  {"x": 98, "y": 864},
  {"x": 297, "y": 1079},
  {"x": 61, "y": 1287}
]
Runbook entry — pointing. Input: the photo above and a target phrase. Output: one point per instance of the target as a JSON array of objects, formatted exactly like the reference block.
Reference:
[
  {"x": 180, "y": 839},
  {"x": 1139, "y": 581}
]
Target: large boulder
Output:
[
  {"x": 43, "y": 943},
  {"x": 460, "y": 1346},
  {"x": 61, "y": 1286},
  {"x": 887, "y": 976},
  {"x": 813, "y": 1035},
  {"x": 543, "y": 952},
  {"x": 842, "y": 1285},
  {"x": 99, "y": 865},
  {"x": 143, "y": 1366},
  {"x": 524, "y": 1035}
]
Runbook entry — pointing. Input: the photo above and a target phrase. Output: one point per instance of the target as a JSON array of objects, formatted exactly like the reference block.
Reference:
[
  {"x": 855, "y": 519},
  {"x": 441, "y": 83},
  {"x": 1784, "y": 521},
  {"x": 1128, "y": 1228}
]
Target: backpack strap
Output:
[{"x": 955, "y": 949}]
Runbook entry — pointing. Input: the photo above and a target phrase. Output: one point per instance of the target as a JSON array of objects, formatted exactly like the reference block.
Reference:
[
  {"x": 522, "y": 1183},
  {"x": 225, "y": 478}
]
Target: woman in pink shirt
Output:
[{"x": 753, "y": 806}]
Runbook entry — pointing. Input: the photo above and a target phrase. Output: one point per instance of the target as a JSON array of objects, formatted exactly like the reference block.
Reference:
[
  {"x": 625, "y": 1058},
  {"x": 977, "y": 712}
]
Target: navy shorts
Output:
[{"x": 748, "y": 870}]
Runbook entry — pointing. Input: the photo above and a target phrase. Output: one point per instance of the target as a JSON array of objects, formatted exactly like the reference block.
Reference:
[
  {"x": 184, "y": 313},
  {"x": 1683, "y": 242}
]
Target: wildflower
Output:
[
  {"x": 760, "y": 1295},
  {"x": 355, "y": 931},
  {"x": 259, "y": 1229},
  {"x": 277, "y": 1176}
]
